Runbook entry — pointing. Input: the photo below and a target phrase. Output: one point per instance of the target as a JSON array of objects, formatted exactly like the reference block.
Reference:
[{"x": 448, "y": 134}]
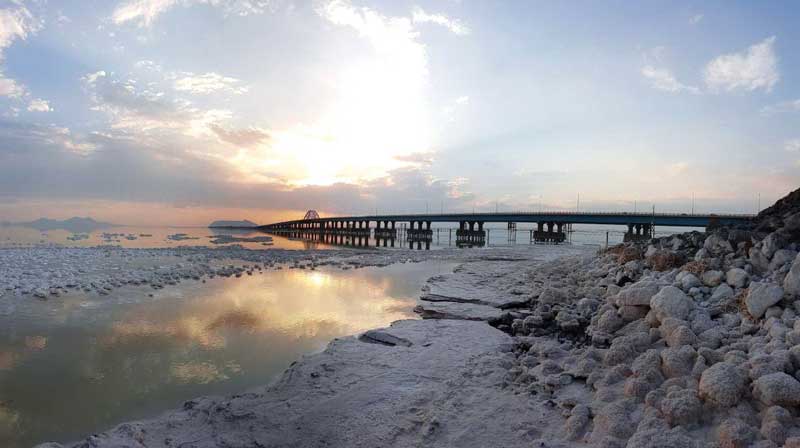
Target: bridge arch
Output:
[{"x": 311, "y": 214}]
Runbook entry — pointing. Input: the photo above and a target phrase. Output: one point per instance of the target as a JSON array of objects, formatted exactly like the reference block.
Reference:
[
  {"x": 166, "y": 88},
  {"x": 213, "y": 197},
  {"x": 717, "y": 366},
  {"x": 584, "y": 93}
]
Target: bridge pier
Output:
[
  {"x": 418, "y": 233},
  {"x": 550, "y": 235},
  {"x": 639, "y": 232}
]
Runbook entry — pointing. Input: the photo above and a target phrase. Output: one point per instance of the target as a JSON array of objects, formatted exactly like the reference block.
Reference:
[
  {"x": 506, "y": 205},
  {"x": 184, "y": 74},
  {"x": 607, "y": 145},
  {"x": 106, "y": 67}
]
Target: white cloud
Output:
[
  {"x": 10, "y": 88},
  {"x": 39, "y": 105},
  {"x": 15, "y": 23},
  {"x": 207, "y": 83},
  {"x": 663, "y": 79},
  {"x": 756, "y": 68},
  {"x": 695, "y": 19},
  {"x": 145, "y": 12},
  {"x": 462, "y": 100},
  {"x": 792, "y": 145},
  {"x": 418, "y": 15}
]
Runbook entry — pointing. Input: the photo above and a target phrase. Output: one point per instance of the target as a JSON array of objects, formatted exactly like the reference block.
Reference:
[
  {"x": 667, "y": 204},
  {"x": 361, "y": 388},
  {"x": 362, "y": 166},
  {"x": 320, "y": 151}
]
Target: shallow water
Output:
[
  {"x": 148, "y": 237},
  {"x": 79, "y": 364}
]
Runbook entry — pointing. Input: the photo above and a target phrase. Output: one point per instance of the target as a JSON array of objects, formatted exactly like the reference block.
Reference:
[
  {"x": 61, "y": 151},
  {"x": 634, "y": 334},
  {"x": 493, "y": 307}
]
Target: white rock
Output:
[
  {"x": 671, "y": 302},
  {"x": 791, "y": 283},
  {"x": 761, "y": 296},
  {"x": 737, "y": 277}
]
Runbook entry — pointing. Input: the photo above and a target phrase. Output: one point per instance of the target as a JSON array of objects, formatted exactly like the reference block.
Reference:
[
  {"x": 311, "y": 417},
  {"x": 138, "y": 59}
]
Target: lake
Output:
[{"x": 78, "y": 364}]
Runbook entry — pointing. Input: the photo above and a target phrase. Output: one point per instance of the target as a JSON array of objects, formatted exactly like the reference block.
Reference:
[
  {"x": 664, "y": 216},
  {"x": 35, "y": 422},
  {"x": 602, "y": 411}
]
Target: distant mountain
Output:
[
  {"x": 234, "y": 224},
  {"x": 75, "y": 224}
]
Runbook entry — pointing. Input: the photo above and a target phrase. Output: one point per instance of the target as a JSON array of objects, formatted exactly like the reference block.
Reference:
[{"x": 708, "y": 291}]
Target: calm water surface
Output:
[
  {"x": 145, "y": 237},
  {"x": 76, "y": 365}
]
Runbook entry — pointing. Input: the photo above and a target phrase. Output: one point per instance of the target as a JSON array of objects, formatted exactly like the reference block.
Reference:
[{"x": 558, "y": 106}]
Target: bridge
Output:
[{"x": 550, "y": 226}]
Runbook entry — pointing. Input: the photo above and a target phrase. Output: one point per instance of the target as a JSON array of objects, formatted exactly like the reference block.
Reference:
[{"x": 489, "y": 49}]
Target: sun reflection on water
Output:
[{"x": 128, "y": 356}]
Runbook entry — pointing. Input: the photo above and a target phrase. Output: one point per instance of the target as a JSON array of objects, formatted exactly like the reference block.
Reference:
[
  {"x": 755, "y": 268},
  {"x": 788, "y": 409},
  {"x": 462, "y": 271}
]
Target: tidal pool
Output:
[{"x": 79, "y": 364}]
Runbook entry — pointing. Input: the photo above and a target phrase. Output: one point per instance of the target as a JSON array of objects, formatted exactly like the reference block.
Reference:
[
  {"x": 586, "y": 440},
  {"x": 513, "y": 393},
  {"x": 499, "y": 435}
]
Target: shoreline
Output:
[{"x": 683, "y": 341}]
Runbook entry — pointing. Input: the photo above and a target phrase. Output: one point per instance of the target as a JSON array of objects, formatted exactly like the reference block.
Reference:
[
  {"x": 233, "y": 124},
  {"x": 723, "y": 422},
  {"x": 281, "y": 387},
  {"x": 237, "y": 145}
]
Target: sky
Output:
[{"x": 185, "y": 111}]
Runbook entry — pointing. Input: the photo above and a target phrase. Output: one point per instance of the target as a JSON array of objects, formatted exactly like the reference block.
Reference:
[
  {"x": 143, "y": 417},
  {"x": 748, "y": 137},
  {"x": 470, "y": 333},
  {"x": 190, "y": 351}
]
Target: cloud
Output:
[
  {"x": 140, "y": 110},
  {"x": 246, "y": 137},
  {"x": 663, "y": 79},
  {"x": 755, "y": 68},
  {"x": 659, "y": 77},
  {"x": 52, "y": 166},
  {"x": 783, "y": 106},
  {"x": 39, "y": 105},
  {"x": 418, "y": 15},
  {"x": 145, "y": 12},
  {"x": 207, "y": 83},
  {"x": 792, "y": 145},
  {"x": 15, "y": 24},
  {"x": 695, "y": 19}
]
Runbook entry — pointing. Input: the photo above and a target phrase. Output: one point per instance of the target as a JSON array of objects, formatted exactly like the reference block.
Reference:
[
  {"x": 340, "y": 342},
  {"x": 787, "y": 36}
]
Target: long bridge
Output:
[{"x": 550, "y": 226}]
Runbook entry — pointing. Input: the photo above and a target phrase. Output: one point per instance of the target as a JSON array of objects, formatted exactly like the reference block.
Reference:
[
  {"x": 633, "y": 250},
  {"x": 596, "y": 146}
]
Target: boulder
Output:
[
  {"x": 658, "y": 438},
  {"x": 681, "y": 407},
  {"x": 772, "y": 243},
  {"x": 791, "y": 283},
  {"x": 717, "y": 245},
  {"x": 777, "y": 389},
  {"x": 712, "y": 278},
  {"x": 781, "y": 257},
  {"x": 671, "y": 302},
  {"x": 737, "y": 277},
  {"x": 689, "y": 281},
  {"x": 761, "y": 296},
  {"x": 552, "y": 296},
  {"x": 678, "y": 362},
  {"x": 735, "y": 433},
  {"x": 638, "y": 294},
  {"x": 722, "y": 384}
]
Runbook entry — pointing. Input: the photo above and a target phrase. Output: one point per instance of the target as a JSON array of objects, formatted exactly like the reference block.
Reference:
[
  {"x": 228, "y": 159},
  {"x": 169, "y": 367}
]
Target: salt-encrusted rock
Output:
[
  {"x": 552, "y": 296},
  {"x": 773, "y": 242},
  {"x": 625, "y": 348},
  {"x": 638, "y": 293},
  {"x": 758, "y": 260},
  {"x": 609, "y": 322},
  {"x": 712, "y": 278},
  {"x": 677, "y": 362},
  {"x": 722, "y": 293},
  {"x": 681, "y": 407},
  {"x": 777, "y": 389},
  {"x": 577, "y": 422},
  {"x": 717, "y": 245},
  {"x": 722, "y": 384},
  {"x": 761, "y": 296},
  {"x": 765, "y": 364},
  {"x": 781, "y": 258},
  {"x": 689, "y": 281},
  {"x": 791, "y": 283},
  {"x": 737, "y": 277},
  {"x": 615, "y": 419},
  {"x": 671, "y": 302},
  {"x": 735, "y": 433},
  {"x": 630, "y": 313},
  {"x": 658, "y": 438},
  {"x": 680, "y": 337},
  {"x": 773, "y": 425}
]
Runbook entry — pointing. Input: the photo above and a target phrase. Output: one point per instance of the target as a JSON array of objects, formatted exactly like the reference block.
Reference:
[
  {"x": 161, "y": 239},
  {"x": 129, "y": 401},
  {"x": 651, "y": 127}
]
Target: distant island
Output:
[
  {"x": 234, "y": 224},
  {"x": 74, "y": 224}
]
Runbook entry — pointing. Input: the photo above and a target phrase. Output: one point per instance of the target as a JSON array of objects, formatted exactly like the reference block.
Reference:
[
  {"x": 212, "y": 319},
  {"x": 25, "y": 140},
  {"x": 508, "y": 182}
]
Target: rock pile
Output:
[{"x": 688, "y": 340}]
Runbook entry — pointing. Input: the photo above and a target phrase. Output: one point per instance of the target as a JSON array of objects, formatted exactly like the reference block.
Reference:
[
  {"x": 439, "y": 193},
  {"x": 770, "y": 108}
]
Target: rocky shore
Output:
[{"x": 684, "y": 341}]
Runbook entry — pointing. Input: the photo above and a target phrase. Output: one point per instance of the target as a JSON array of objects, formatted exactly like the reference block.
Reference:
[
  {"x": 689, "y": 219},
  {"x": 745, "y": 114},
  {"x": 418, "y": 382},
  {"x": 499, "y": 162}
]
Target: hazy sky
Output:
[{"x": 181, "y": 111}]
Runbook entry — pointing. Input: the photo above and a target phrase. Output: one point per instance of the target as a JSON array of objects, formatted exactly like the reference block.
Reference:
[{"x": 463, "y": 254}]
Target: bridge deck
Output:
[{"x": 610, "y": 218}]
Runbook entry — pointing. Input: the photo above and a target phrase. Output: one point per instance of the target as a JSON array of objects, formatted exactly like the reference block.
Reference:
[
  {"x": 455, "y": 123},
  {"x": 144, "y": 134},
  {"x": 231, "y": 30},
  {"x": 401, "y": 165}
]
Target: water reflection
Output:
[{"x": 129, "y": 356}]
